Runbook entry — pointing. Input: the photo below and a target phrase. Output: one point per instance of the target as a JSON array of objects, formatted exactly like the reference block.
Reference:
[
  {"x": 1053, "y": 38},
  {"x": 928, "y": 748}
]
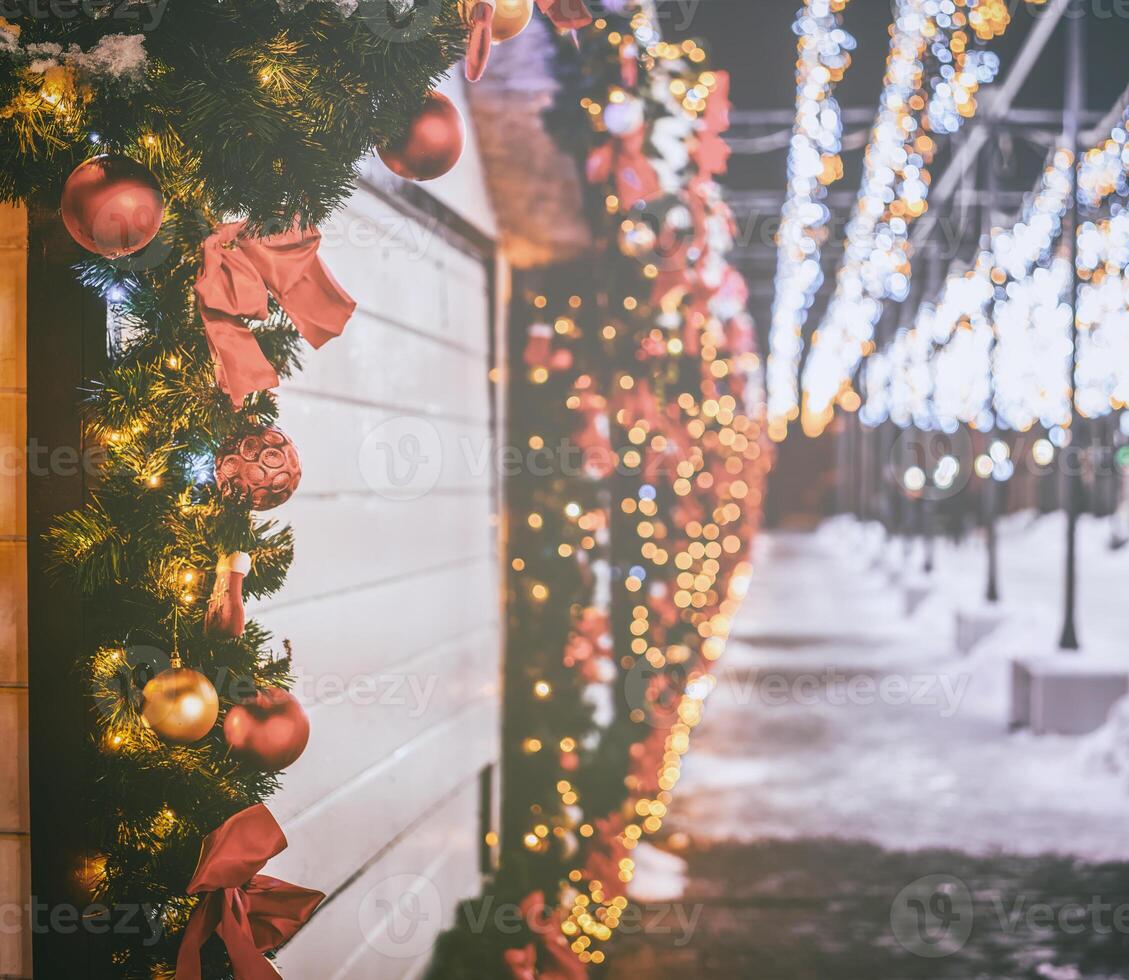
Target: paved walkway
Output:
[{"x": 846, "y": 755}]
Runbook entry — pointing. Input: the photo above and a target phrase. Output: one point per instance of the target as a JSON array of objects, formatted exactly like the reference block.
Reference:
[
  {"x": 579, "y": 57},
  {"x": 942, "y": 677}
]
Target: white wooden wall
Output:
[
  {"x": 15, "y": 855},
  {"x": 393, "y": 595}
]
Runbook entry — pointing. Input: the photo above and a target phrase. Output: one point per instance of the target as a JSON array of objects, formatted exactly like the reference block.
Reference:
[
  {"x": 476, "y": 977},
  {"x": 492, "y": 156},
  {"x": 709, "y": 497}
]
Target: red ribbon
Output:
[
  {"x": 629, "y": 62},
  {"x": 480, "y": 40},
  {"x": 711, "y": 152},
  {"x": 566, "y": 15},
  {"x": 696, "y": 201},
  {"x": 670, "y": 285},
  {"x": 697, "y": 300},
  {"x": 635, "y": 178},
  {"x": 605, "y": 852},
  {"x": 251, "y": 913},
  {"x": 558, "y": 959},
  {"x": 522, "y": 963},
  {"x": 718, "y": 105},
  {"x": 233, "y": 284},
  {"x": 638, "y": 403}
]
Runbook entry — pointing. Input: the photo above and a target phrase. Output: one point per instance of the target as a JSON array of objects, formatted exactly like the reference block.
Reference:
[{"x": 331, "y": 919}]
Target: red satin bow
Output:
[
  {"x": 233, "y": 284},
  {"x": 251, "y": 913},
  {"x": 566, "y": 15},
  {"x": 635, "y": 178}
]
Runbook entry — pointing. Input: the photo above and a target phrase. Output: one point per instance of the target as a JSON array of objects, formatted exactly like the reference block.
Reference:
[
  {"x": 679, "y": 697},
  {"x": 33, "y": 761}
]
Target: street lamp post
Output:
[
  {"x": 1073, "y": 105},
  {"x": 991, "y": 491}
]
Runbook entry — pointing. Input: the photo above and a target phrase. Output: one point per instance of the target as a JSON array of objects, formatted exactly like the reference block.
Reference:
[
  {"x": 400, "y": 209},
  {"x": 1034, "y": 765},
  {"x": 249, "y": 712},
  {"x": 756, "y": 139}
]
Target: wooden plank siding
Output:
[
  {"x": 15, "y": 846},
  {"x": 392, "y": 603}
]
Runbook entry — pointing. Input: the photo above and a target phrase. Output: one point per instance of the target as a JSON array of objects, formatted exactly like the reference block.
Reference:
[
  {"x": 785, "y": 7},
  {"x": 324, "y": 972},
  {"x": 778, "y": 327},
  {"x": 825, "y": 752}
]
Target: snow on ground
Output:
[
  {"x": 836, "y": 715},
  {"x": 660, "y": 876}
]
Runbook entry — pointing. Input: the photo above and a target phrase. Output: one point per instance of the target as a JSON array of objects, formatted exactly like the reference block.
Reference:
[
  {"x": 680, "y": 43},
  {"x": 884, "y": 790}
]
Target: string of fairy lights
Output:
[
  {"x": 995, "y": 348},
  {"x": 991, "y": 349},
  {"x": 677, "y": 384},
  {"x": 933, "y": 75},
  {"x": 701, "y": 592},
  {"x": 1103, "y": 317},
  {"x": 814, "y": 164}
]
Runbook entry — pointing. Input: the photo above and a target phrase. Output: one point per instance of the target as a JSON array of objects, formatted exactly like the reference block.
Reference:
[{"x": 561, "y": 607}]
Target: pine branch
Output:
[
  {"x": 246, "y": 109},
  {"x": 89, "y": 547}
]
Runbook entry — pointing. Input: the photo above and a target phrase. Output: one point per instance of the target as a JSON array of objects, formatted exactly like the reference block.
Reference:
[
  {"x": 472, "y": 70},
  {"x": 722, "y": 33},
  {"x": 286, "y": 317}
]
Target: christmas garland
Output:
[
  {"x": 637, "y": 391},
  {"x": 152, "y": 138}
]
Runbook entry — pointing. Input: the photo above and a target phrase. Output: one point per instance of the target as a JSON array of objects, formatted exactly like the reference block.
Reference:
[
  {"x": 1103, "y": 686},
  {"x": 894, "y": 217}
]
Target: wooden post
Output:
[{"x": 66, "y": 345}]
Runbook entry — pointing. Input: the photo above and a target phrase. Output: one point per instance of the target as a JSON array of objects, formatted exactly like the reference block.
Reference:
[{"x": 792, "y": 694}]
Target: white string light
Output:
[
  {"x": 1103, "y": 317},
  {"x": 895, "y": 185},
  {"x": 1030, "y": 365},
  {"x": 814, "y": 163},
  {"x": 926, "y": 35}
]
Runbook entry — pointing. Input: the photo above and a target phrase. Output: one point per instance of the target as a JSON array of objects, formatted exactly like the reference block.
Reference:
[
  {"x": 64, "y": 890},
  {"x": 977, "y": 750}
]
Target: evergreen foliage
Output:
[
  {"x": 246, "y": 109},
  {"x": 676, "y": 514}
]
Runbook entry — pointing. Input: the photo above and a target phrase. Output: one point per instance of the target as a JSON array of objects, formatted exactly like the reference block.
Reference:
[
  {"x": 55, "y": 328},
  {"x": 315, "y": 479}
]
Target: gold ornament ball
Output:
[
  {"x": 511, "y": 17},
  {"x": 181, "y": 705}
]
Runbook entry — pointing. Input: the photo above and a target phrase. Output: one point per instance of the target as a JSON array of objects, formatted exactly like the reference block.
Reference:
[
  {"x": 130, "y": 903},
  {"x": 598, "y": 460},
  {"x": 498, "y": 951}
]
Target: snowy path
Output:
[
  {"x": 835, "y": 715},
  {"x": 847, "y": 752}
]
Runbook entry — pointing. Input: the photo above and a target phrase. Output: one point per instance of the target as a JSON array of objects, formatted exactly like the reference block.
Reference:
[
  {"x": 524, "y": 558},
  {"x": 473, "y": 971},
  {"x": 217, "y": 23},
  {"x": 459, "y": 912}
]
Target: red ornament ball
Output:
[
  {"x": 262, "y": 467},
  {"x": 112, "y": 205},
  {"x": 269, "y": 731},
  {"x": 433, "y": 143}
]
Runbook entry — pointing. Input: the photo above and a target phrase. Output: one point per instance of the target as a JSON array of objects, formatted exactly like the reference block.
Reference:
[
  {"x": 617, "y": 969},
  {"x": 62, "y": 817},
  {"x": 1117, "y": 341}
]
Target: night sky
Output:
[{"x": 753, "y": 39}]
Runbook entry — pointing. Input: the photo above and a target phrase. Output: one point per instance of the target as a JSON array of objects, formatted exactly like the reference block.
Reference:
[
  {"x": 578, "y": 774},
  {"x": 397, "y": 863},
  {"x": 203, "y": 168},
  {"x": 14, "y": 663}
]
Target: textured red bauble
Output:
[
  {"x": 268, "y": 731},
  {"x": 112, "y": 205},
  {"x": 433, "y": 143},
  {"x": 262, "y": 467}
]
